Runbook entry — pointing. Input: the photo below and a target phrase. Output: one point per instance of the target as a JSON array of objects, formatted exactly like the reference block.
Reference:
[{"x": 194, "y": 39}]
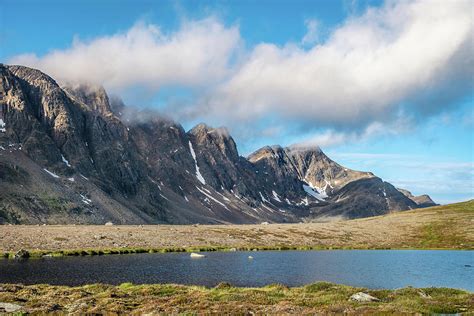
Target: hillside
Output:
[
  {"x": 444, "y": 227},
  {"x": 70, "y": 155}
]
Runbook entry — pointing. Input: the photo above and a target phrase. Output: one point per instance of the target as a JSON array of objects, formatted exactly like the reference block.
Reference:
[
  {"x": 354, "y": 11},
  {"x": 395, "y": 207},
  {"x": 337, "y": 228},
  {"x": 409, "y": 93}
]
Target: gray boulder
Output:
[
  {"x": 363, "y": 297},
  {"x": 9, "y": 307}
]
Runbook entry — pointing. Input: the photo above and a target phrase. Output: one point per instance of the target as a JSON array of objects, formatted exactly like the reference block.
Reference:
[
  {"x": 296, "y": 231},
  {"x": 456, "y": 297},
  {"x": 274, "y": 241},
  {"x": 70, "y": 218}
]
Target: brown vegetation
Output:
[
  {"x": 443, "y": 227},
  {"x": 319, "y": 297}
]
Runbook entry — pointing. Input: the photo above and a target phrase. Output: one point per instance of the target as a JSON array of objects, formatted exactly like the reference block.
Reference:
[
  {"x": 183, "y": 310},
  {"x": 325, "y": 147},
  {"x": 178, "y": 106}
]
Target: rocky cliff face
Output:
[
  {"x": 307, "y": 177},
  {"x": 421, "y": 200},
  {"x": 93, "y": 97},
  {"x": 67, "y": 156}
]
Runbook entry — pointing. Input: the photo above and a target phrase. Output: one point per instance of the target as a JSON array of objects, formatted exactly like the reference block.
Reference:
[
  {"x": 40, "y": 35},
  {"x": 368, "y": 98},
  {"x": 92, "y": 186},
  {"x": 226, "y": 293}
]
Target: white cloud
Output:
[
  {"x": 198, "y": 54},
  {"x": 402, "y": 51},
  {"x": 331, "y": 137},
  {"x": 415, "y": 53},
  {"x": 326, "y": 139}
]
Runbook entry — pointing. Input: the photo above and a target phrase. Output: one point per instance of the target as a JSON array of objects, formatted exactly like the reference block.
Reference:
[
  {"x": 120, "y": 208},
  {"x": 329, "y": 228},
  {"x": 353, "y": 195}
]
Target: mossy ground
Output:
[
  {"x": 444, "y": 233},
  {"x": 114, "y": 251},
  {"x": 319, "y": 297}
]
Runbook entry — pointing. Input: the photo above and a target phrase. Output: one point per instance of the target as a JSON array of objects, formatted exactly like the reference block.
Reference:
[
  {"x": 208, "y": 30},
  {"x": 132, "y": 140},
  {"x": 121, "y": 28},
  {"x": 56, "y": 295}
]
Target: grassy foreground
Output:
[{"x": 319, "y": 297}]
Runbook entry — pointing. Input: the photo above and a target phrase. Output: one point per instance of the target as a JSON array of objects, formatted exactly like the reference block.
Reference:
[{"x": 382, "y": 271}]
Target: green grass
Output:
[
  {"x": 321, "y": 297},
  {"x": 118, "y": 251},
  {"x": 446, "y": 233},
  {"x": 462, "y": 207},
  {"x": 53, "y": 203}
]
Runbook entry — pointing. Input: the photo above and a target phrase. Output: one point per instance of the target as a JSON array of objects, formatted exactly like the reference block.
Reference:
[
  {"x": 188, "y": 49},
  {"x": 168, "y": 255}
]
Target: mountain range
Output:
[{"x": 69, "y": 155}]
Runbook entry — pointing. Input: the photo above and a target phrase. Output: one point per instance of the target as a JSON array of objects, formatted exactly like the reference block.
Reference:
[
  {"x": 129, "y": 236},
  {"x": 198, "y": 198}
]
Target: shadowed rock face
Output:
[
  {"x": 343, "y": 193},
  {"x": 69, "y": 156},
  {"x": 309, "y": 165},
  {"x": 421, "y": 200},
  {"x": 363, "y": 198}
]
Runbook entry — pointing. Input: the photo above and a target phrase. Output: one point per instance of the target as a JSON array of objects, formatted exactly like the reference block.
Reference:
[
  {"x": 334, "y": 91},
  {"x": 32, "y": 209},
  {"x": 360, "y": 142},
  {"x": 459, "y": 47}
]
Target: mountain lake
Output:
[{"x": 375, "y": 269}]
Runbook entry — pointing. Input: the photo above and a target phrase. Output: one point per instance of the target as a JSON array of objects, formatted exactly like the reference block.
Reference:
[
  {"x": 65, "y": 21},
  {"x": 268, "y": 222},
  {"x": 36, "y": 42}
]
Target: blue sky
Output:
[{"x": 380, "y": 86}]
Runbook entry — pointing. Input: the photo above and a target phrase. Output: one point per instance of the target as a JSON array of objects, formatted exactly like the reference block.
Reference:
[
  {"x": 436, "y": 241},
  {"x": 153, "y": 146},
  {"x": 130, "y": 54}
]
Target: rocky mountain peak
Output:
[
  {"x": 33, "y": 76},
  {"x": 200, "y": 128},
  {"x": 273, "y": 152},
  {"x": 308, "y": 164},
  {"x": 421, "y": 200},
  {"x": 92, "y": 96},
  {"x": 203, "y": 129},
  {"x": 304, "y": 149},
  {"x": 319, "y": 171},
  {"x": 41, "y": 116},
  {"x": 209, "y": 137}
]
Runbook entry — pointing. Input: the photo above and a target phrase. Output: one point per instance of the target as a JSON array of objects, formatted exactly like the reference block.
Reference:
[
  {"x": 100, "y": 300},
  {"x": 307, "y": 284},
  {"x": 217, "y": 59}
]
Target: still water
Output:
[{"x": 365, "y": 268}]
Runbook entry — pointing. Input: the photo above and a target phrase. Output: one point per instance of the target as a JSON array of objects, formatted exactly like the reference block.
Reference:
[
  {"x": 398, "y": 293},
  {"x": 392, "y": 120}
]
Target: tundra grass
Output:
[
  {"x": 314, "y": 298},
  {"x": 445, "y": 227}
]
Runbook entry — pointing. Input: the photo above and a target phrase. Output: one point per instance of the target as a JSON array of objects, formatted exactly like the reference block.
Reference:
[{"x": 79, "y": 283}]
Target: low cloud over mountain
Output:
[{"x": 404, "y": 59}]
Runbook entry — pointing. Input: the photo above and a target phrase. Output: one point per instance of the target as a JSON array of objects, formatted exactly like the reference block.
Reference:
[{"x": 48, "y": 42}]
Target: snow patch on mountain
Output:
[
  {"x": 268, "y": 208},
  {"x": 263, "y": 198},
  {"x": 85, "y": 199},
  {"x": 165, "y": 197},
  {"x": 51, "y": 173},
  {"x": 327, "y": 184},
  {"x": 65, "y": 161},
  {"x": 303, "y": 202},
  {"x": 386, "y": 198},
  {"x": 275, "y": 196},
  {"x": 198, "y": 173},
  {"x": 314, "y": 192},
  {"x": 223, "y": 196},
  {"x": 212, "y": 198},
  {"x": 2, "y": 126}
]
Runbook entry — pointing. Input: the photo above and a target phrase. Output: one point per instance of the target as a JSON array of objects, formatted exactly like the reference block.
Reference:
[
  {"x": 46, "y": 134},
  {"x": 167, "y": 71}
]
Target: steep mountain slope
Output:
[
  {"x": 335, "y": 191},
  {"x": 67, "y": 155},
  {"x": 421, "y": 200}
]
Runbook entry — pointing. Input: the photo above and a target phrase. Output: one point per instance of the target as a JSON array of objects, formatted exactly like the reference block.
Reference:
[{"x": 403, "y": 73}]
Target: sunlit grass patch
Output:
[{"x": 321, "y": 297}]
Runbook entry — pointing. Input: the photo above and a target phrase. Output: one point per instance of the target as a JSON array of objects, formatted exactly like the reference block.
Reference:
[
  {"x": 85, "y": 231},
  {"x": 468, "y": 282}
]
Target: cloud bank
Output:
[
  {"x": 412, "y": 57},
  {"x": 199, "y": 53},
  {"x": 364, "y": 70}
]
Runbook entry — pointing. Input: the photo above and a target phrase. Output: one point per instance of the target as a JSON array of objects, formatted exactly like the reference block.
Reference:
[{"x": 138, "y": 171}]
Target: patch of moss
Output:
[
  {"x": 318, "y": 298},
  {"x": 318, "y": 286}
]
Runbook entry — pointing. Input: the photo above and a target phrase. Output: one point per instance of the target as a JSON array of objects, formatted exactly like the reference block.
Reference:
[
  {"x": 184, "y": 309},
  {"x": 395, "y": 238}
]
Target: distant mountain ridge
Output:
[{"x": 68, "y": 156}]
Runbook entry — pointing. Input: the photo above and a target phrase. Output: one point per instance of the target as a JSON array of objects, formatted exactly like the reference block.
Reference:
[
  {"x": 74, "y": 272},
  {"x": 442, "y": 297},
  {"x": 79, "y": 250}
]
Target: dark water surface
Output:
[{"x": 366, "y": 268}]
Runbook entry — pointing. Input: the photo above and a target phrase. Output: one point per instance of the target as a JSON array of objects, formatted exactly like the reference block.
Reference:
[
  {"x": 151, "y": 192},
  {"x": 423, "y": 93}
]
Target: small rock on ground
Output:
[
  {"x": 9, "y": 307},
  {"x": 423, "y": 294},
  {"x": 22, "y": 253},
  {"x": 363, "y": 297}
]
